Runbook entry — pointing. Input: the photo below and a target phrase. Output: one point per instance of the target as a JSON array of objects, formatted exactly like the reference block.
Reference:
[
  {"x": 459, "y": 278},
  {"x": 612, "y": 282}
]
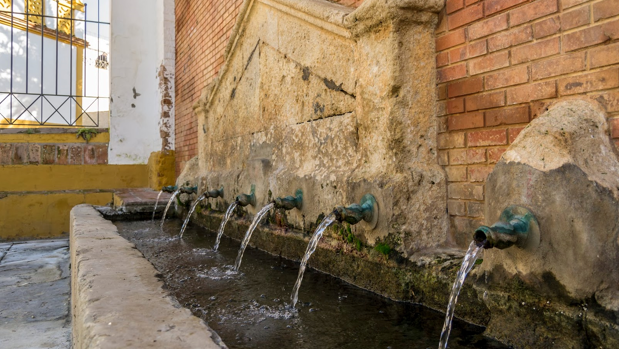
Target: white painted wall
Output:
[
  {"x": 140, "y": 43},
  {"x": 168, "y": 52}
]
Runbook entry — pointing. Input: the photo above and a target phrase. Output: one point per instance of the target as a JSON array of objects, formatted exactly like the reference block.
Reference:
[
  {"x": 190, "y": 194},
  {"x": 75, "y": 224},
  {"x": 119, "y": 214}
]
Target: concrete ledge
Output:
[{"x": 116, "y": 299}]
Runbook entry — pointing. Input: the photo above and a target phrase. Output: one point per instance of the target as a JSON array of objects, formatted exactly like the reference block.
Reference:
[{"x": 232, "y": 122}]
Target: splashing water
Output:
[
  {"x": 165, "y": 212},
  {"x": 193, "y": 208},
  {"x": 311, "y": 247},
  {"x": 467, "y": 264},
  {"x": 223, "y": 224},
  {"x": 156, "y": 203},
  {"x": 251, "y": 229}
]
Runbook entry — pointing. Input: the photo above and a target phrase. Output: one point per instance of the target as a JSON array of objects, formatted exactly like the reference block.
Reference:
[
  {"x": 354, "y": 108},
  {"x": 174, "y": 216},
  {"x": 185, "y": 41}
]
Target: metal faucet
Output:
[
  {"x": 215, "y": 193},
  {"x": 169, "y": 189},
  {"x": 247, "y": 199},
  {"x": 355, "y": 213},
  {"x": 513, "y": 228},
  {"x": 290, "y": 202},
  {"x": 189, "y": 190}
]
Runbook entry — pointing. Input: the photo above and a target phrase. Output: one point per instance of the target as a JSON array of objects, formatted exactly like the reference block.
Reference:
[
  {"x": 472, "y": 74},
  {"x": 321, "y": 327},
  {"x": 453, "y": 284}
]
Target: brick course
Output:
[
  {"x": 529, "y": 53},
  {"x": 53, "y": 154}
]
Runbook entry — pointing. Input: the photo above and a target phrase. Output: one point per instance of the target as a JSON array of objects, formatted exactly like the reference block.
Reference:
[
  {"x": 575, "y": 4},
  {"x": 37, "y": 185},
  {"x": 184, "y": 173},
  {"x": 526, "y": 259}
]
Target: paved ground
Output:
[{"x": 34, "y": 295}]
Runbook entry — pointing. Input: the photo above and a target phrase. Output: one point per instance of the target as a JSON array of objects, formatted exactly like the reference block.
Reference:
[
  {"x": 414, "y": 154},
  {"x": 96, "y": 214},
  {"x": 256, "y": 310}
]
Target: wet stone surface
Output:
[
  {"x": 251, "y": 309},
  {"x": 34, "y": 295}
]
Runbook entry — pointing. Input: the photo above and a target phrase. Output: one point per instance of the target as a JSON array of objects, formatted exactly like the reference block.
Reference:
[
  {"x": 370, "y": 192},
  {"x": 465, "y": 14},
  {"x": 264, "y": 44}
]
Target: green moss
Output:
[
  {"x": 348, "y": 236},
  {"x": 87, "y": 133},
  {"x": 358, "y": 244},
  {"x": 383, "y": 248}
]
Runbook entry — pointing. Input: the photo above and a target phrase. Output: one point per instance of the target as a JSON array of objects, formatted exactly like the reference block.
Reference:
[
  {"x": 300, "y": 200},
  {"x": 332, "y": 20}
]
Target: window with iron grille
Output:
[{"x": 53, "y": 63}]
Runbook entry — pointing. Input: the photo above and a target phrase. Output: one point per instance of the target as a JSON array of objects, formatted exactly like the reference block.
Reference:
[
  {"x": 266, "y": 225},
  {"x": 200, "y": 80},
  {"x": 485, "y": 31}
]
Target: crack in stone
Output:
[{"x": 324, "y": 117}]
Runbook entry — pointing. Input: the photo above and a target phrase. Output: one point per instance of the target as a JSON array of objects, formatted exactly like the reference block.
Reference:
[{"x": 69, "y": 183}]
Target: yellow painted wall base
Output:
[
  {"x": 42, "y": 215},
  {"x": 161, "y": 169},
  {"x": 35, "y": 201},
  {"x": 72, "y": 177}
]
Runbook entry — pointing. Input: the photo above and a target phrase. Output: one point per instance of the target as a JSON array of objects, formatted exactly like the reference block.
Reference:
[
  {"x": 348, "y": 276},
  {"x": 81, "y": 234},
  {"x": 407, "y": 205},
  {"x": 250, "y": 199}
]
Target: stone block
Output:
[
  {"x": 161, "y": 171},
  {"x": 564, "y": 169},
  {"x": 34, "y": 154},
  {"x": 90, "y": 155},
  {"x": 76, "y": 155},
  {"x": 102, "y": 153},
  {"x": 48, "y": 154},
  {"x": 20, "y": 154},
  {"x": 63, "y": 154},
  {"x": 6, "y": 151}
]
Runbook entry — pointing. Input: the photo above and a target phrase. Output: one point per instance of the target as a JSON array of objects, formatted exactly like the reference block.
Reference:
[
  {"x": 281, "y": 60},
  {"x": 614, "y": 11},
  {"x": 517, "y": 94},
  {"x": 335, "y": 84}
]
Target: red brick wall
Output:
[
  {"x": 202, "y": 31},
  {"x": 500, "y": 63},
  {"x": 53, "y": 154}
]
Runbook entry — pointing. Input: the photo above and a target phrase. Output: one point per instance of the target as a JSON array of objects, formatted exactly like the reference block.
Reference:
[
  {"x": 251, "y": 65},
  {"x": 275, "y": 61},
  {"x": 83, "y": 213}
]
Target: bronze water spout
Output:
[
  {"x": 365, "y": 210},
  {"x": 290, "y": 202},
  {"x": 513, "y": 228}
]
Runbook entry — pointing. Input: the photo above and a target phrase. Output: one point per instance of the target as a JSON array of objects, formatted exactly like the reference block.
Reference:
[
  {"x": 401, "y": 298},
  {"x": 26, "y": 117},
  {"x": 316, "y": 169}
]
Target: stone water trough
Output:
[{"x": 117, "y": 300}]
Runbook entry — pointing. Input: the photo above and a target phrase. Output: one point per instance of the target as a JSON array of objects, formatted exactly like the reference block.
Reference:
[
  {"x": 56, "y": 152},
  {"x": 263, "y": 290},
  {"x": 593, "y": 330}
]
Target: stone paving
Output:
[{"x": 35, "y": 295}]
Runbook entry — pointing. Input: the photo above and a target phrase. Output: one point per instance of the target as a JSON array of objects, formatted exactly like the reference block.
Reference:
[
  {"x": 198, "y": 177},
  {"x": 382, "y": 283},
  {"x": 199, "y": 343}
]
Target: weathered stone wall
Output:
[
  {"x": 563, "y": 168},
  {"x": 315, "y": 96},
  {"x": 495, "y": 74}
]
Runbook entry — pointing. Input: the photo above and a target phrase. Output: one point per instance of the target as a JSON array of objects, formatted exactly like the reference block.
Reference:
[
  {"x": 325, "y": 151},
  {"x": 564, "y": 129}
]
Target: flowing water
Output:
[
  {"x": 165, "y": 212},
  {"x": 467, "y": 264},
  {"x": 193, "y": 208},
  {"x": 223, "y": 224},
  {"x": 251, "y": 229},
  {"x": 156, "y": 203},
  {"x": 251, "y": 310},
  {"x": 311, "y": 247}
]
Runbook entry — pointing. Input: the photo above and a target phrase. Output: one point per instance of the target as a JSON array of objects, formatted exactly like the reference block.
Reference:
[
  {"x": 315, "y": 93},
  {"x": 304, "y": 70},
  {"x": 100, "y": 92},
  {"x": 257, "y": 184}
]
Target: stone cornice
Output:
[{"x": 373, "y": 14}]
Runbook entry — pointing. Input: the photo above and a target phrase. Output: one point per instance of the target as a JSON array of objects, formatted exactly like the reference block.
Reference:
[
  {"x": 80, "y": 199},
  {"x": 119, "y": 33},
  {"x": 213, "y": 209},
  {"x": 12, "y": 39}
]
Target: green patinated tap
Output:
[
  {"x": 169, "y": 188},
  {"x": 366, "y": 210},
  {"x": 189, "y": 190},
  {"x": 290, "y": 202},
  {"x": 513, "y": 228},
  {"x": 247, "y": 199},
  {"x": 215, "y": 193}
]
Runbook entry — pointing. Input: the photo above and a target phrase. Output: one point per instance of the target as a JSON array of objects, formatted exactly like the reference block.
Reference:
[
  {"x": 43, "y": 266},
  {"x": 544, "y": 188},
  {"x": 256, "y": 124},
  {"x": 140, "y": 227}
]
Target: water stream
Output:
[
  {"x": 467, "y": 264},
  {"x": 223, "y": 224},
  {"x": 311, "y": 247},
  {"x": 251, "y": 229},
  {"x": 156, "y": 203},
  {"x": 193, "y": 208},
  {"x": 165, "y": 212}
]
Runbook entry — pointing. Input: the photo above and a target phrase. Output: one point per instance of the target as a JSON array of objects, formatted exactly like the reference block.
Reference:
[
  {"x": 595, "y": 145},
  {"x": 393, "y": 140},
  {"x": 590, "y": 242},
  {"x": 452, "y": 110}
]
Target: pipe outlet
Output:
[
  {"x": 290, "y": 202},
  {"x": 189, "y": 190},
  {"x": 366, "y": 210},
  {"x": 512, "y": 229},
  {"x": 247, "y": 199},
  {"x": 169, "y": 189},
  {"x": 215, "y": 193}
]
